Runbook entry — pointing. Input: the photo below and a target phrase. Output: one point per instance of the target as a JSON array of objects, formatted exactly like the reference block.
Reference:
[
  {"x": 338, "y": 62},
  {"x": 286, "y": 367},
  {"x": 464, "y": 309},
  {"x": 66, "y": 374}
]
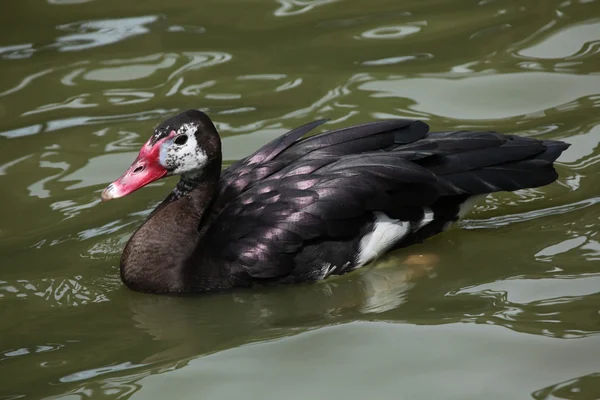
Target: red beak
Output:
[{"x": 145, "y": 169}]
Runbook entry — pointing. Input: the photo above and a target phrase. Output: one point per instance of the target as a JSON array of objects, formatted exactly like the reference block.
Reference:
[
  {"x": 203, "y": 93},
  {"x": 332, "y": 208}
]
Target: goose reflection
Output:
[{"x": 191, "y": 325}]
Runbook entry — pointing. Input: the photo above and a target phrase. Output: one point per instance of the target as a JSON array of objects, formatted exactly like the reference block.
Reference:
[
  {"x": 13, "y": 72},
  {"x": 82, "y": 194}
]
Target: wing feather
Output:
[{"x": 293, "y": 191}]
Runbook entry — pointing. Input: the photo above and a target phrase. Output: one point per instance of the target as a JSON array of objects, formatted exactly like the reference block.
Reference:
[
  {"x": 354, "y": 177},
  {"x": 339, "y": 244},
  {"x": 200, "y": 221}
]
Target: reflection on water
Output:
[
  {"x": 503, "y": 306},
  {"x": 90, "y": 34},
  {"x": 485, "y": 96},
  {"x": 571, "y": 389},
  {"x": 294, "y": 7}
]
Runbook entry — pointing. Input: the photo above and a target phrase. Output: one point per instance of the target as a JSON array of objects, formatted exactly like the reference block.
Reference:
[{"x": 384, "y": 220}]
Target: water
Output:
[{"x": 504, "y": 307}]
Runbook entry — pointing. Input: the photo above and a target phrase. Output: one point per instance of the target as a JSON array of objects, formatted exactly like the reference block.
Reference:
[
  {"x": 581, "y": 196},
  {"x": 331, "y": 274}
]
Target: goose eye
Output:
[{"x": 180, "y": 140}]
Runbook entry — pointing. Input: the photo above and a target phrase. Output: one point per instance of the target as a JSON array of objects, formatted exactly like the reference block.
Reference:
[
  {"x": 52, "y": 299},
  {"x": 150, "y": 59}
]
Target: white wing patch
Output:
[
  {"x": 326, "y": 270},
  {"x": 427, "y": 218},
  {"x": 386, "y": 232},
  {"x": 465, "y": 208}
]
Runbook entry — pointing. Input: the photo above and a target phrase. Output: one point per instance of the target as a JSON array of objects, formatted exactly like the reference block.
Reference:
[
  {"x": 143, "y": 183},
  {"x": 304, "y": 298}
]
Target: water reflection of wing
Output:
[{"x": 209, "y": 323}]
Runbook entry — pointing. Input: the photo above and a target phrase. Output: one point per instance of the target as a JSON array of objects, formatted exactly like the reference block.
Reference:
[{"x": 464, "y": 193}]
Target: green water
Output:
[{"x": 506, "y": 306}]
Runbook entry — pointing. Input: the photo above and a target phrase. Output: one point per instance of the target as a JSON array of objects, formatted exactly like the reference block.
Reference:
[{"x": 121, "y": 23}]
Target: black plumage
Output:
[{"x": 298, "y": 208}]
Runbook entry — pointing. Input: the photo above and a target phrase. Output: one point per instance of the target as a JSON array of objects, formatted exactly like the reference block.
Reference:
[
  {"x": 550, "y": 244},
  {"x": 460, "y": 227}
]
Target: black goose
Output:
[{"x": 302, "y": 209}]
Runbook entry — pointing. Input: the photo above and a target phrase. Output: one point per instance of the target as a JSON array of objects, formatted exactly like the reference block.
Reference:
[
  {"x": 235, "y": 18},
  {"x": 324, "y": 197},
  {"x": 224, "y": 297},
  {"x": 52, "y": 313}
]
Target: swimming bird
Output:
[{"x": 304, "y": 208}]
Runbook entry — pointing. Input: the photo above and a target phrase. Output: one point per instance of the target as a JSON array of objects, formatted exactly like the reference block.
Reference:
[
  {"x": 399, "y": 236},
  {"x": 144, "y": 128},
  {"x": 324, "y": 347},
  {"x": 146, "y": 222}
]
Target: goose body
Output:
[{"x": 302, "y": 209}]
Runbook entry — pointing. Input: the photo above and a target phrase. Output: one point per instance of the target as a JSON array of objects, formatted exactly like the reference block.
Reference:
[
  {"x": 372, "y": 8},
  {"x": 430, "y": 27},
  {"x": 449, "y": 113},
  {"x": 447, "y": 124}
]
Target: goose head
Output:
[{"x": 185, "y": 145}]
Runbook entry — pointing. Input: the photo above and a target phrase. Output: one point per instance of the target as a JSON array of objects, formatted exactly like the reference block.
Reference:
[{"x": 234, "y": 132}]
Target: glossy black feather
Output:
[
  {"x": 298, "y": 208},
  {"x": 280, "y": 153},
  {"x": 246, "y": 171},
  {"x": 327, "y": 186}
]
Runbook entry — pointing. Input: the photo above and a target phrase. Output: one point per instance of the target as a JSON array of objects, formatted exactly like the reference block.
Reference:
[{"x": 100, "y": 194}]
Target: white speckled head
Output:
[
  {"x": 181, "y": 153},
  {"x": 186, "y": 144}
]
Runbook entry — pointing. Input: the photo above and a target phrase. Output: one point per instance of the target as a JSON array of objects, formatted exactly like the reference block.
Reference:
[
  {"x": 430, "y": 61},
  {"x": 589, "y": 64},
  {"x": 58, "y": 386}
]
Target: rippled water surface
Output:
[{"x": 506, "y": 306}]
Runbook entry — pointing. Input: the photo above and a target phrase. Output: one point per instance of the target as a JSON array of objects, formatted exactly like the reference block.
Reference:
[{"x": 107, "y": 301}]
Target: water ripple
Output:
[
  {"x": 96, "y": 33},
  {"x": 289, "y": 8},
  {"x": 82, "y": 91}
]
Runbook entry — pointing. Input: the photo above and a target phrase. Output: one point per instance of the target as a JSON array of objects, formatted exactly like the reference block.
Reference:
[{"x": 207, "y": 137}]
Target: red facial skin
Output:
[{"x": 148, "y": 169}]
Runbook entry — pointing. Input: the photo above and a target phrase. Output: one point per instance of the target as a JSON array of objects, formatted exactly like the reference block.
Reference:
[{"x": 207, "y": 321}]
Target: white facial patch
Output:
[{"x": 184, "y": 158}]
